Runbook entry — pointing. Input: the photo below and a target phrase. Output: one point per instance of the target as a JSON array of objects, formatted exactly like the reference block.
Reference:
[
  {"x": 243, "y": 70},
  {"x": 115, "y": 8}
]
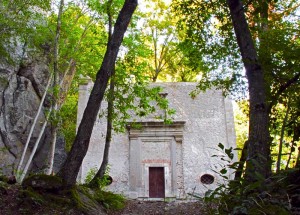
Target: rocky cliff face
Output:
[{"x": 22, "y": 84}]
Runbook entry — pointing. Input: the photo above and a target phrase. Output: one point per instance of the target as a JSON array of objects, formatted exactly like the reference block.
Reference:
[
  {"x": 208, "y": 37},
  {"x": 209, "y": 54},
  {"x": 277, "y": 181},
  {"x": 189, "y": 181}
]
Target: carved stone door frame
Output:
[{"x": 139, "y": 169}]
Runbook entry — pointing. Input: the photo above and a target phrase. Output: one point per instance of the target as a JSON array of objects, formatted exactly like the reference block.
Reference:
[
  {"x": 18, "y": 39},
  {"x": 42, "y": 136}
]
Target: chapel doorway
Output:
[{"x": 156, "y": 182}]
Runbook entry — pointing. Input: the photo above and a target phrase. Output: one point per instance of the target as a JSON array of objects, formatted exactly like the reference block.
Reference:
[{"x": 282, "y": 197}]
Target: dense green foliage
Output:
[{"x": 68, "y": 113}]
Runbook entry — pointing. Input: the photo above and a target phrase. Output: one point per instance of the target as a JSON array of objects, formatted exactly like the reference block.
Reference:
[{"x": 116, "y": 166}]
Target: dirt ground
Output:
[{"x": 134, "y": 207}]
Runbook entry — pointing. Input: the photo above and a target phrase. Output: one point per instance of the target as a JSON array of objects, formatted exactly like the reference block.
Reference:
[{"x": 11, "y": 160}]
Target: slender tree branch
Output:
[{"x": 282, "y": 88}]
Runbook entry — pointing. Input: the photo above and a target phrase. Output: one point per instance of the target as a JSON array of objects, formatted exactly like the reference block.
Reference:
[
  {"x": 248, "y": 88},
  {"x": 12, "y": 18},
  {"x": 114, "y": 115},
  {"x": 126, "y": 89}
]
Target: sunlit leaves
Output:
[{"x": 208, "y": 28}]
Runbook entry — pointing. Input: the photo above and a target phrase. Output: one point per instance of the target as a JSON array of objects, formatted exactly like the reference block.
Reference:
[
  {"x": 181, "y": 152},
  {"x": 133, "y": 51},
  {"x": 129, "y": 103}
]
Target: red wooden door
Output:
[{"x": 156, "y": 182}]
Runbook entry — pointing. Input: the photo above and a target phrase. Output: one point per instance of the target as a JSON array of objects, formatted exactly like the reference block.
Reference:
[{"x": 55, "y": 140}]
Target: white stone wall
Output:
[{"x": 208, "y": 121}]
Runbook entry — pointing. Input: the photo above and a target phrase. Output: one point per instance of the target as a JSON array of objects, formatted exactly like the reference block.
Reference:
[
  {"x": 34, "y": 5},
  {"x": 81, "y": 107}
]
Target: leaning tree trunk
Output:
[
  {"x": 110, "y": 110},
  {"x": 258, "y": 162},
  {"x": 80, "y": 146},
  {"x": 33, "y": 151}
]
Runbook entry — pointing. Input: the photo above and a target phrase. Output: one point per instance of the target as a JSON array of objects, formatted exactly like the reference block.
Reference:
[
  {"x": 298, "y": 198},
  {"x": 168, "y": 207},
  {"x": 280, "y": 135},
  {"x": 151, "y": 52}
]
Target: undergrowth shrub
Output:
[
  {"x": 101, "y": 183},
  {"x": 235, "y": 197},
  {"x": 110, "y": 200},
  {"x": 90, "y": 175}
]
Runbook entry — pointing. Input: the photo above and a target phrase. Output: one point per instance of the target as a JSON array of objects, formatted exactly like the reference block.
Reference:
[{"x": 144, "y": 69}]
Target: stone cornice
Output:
[{"x": 157, "y": 129}]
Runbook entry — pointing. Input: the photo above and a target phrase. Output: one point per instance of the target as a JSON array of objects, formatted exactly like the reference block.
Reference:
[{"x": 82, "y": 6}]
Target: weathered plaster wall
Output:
[{"x": 208, "y": 121}]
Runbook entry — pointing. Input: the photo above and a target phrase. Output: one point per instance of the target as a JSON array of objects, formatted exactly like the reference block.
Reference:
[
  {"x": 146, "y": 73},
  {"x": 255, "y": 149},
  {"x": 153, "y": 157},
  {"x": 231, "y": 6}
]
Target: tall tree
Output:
[
  {"x": 161, "y": 40},
  {"x": 258, "y": 164},
  {"x": 110, "y": 109},
  {"x": 55, "y": 93},
  {"x": 273, "y": 31},
  {"x": 79, "y": 148}
]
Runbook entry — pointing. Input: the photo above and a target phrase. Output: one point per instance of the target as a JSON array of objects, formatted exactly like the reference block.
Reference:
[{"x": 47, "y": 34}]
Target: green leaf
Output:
[
  {"x": 223, "y": 171},
  {"x": 221, "y": 146}
]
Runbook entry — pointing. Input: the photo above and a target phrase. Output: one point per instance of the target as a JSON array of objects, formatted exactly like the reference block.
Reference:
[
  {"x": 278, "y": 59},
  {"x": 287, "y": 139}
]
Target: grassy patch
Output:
[{"x": 110, "y": 200}]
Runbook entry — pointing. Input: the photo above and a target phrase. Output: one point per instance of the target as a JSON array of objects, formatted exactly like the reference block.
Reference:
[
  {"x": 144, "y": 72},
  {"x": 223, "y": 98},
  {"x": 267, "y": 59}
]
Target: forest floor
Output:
[{"x": 12, "y": 203}]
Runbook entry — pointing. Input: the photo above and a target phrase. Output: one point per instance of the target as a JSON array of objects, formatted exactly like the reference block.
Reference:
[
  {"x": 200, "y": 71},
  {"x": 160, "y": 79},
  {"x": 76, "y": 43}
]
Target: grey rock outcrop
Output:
[{"x": 22, "y": 84}]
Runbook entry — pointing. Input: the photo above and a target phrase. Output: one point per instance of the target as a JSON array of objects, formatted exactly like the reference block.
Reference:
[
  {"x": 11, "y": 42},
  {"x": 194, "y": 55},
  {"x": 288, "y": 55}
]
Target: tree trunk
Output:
[
  {"x": 282, "y": 137},
  {"x": 50, "y": 163},
  {"x": 290, "y": 154},
  {"x": 80, "y": 146},
  {"x": 297, "y": 165},
  {"x": 24, "y": 172},
  {"x": 55, "y": 92},
  {"x": 110, "y": 111},
  {"x": 258, "y": 162}
]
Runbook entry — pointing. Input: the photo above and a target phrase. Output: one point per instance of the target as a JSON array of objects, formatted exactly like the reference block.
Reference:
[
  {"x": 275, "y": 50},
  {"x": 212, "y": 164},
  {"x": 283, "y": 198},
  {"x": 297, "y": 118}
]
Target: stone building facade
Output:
[{"x": 166, "y": 161}]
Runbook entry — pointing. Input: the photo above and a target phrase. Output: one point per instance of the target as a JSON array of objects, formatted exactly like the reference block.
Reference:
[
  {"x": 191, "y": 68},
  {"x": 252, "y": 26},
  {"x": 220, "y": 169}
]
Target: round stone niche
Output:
[
  {"x": 108, "y": 180},
  {"x": 207, "y": 179}
]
